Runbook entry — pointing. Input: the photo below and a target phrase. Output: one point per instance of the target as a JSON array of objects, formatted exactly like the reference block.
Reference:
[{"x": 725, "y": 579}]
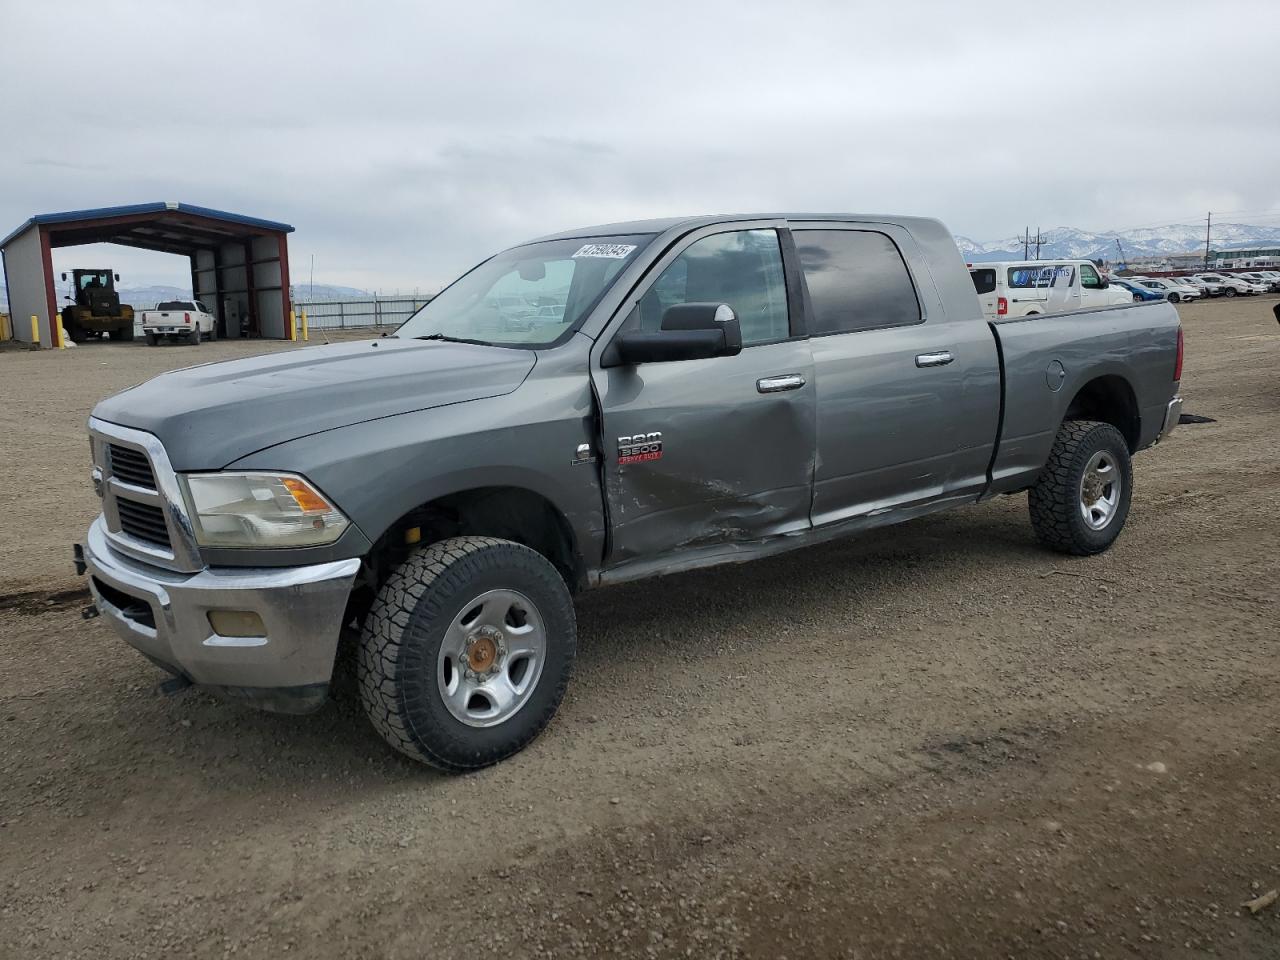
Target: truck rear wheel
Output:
[
  {"x": 1080, "y": 501},
  {"x": 466, "y": 652},
  {"x": 152, "y": 339},
  {"x": 193, "y": 337}
]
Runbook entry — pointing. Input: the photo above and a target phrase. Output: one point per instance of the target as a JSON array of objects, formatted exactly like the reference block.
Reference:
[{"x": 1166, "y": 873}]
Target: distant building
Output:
[
  {"x": 1165, "y": 263},
  {"x": 1244, "y": 257}
]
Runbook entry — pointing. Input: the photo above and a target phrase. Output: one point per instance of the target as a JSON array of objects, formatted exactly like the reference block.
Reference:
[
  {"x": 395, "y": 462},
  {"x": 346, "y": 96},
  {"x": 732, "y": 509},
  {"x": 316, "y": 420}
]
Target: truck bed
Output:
[{"x": 1048, "y": 359}]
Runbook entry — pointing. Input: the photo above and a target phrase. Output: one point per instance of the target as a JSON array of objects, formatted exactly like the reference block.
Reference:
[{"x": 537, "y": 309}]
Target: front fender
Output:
[{"x": 380, "y": 470}]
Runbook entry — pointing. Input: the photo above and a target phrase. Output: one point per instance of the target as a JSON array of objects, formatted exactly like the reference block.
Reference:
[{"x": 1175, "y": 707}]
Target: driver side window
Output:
[
  {"x": 1089, "y": 277},
  {"x": 742, "y": 268}
]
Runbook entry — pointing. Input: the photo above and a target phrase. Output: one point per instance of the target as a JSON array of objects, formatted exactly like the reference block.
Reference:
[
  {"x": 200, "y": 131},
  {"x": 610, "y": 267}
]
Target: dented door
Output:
[
  {"x": 696, "y": 455},
  {"x": 700, "y": 455}
]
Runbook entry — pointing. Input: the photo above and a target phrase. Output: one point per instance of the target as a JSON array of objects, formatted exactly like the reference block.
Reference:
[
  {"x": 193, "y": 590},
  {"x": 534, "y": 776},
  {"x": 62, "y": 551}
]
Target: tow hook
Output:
[{"x": 78, "y": 559}]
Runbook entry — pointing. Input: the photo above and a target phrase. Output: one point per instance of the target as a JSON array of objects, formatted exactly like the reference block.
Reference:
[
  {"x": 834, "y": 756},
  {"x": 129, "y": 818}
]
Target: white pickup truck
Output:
[
  {"x": 189, "y": 320},
  {"x": 1023, "y": 288}
]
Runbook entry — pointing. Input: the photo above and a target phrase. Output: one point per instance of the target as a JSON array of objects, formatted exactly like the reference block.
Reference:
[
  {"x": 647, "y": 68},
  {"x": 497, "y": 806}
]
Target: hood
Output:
[{"x": 207, "y": 416}]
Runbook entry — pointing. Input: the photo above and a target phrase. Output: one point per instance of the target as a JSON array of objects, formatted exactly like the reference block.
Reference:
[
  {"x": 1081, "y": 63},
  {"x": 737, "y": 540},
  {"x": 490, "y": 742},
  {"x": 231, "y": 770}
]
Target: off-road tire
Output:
[
  {"x": 193, "y": 337},
  {"x": 401, "y": 637},
  {"x": 1054, "y": 501}
]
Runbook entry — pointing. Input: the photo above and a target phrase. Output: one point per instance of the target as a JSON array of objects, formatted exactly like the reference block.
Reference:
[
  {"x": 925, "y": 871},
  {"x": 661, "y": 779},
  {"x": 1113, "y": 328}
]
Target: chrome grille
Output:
[
  {"x": 142, "y": 503},
  {"x": 143, "y": 521},
  {"x": 131, "y": 466}
]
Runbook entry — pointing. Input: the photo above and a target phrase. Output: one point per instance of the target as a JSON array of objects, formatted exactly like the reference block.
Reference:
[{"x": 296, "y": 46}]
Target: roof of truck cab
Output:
[{"x": 664, "y": 224}]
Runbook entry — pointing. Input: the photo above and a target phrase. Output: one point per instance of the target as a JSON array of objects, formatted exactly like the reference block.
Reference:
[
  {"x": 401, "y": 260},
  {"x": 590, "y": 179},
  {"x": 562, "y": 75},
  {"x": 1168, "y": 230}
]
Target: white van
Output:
[{"x": 1021, "y": 288}]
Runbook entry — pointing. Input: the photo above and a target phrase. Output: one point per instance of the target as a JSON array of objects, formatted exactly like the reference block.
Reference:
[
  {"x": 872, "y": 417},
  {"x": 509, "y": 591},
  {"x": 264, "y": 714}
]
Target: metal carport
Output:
[{"x": 239, "y": 264}]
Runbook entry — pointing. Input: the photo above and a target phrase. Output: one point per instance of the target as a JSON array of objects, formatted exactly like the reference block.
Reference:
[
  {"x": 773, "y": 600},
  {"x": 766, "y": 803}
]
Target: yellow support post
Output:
[
  {"x": 304, "y": 325},
  {"x": 35, "y": 332},
  {"x": 4, "y": 326},
  {"x": 59, "y": 335},
  {"x": 293, "y": 325}
]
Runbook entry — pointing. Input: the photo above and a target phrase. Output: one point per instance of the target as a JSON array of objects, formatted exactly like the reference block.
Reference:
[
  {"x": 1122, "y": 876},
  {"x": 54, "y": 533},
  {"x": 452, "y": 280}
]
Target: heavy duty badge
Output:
[{"x": 639, "y": 448}]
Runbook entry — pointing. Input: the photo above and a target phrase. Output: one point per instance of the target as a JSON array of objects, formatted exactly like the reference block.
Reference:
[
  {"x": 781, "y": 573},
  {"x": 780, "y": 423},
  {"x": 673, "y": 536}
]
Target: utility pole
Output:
[
  {"x": 1039, "y": 243},
  {"x": 1123, "y": 262},
  {"x": 1208, "y": 222},
  {"x": 1026, "y": 244}
]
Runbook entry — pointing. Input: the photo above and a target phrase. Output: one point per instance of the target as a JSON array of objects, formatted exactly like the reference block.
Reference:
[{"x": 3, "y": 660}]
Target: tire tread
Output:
[
  {"x": 390, "y": 619},
  {"x": 1052, "y": 500}
]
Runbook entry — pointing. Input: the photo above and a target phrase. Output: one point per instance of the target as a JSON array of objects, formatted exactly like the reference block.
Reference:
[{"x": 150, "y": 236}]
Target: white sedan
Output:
[{"x": 1173, "y": 288}]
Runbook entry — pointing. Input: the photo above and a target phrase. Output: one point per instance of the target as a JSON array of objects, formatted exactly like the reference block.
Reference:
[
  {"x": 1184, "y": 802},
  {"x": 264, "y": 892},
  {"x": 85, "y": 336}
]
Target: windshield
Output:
[
  {"x": 94, "y": 281},
  {"x": 528, "y": 296}
]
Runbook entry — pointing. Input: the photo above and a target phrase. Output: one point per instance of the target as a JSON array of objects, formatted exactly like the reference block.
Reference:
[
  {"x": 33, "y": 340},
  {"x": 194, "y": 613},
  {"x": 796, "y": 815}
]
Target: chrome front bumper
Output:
[
  {"x": 165, "y": 615},
  {"x": 1171, "y": 415}
]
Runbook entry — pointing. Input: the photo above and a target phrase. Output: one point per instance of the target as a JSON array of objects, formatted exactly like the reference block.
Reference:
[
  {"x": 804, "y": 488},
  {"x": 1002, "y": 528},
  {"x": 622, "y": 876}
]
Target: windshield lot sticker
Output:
[
  {"x": 611, "y": 251},
  {"x": 640, "y": 448}
]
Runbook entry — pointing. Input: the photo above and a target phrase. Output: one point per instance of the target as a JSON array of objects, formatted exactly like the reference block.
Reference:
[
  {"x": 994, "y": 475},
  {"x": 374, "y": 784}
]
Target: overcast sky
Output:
[{"x": 407, "y": 141}]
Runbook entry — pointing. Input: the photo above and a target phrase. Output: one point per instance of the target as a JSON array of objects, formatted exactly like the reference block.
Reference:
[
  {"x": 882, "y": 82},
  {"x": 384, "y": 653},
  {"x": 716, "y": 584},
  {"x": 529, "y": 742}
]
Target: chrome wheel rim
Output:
[
  {"x": 491, "y": 658},
  {"x": 1100, "y": 490}
]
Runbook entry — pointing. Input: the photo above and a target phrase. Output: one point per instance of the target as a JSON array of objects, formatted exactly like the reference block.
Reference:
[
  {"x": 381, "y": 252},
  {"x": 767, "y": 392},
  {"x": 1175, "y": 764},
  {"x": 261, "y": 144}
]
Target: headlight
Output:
[{"x": 260, "y": 510}]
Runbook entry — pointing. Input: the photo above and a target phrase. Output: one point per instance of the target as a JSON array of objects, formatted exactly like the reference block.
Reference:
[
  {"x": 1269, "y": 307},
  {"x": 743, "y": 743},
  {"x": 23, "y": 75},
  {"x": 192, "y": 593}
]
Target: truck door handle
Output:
[
  {"x": 788, "y": 381},
  {"x": 938, "y": 359}
]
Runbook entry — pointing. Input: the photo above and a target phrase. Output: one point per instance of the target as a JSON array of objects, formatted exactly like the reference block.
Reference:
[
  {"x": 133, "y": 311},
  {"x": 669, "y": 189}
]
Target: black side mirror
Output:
[
  {"x": 64, "y": 276},
  {"x": 117, "y": 278},
  {"x": 690, "y": 331}
]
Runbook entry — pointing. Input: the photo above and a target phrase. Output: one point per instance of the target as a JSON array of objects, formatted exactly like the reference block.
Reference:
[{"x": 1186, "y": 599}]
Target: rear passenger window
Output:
[
  {"x": 857, "y": 281},
  {"x": 984, "y": 280}
]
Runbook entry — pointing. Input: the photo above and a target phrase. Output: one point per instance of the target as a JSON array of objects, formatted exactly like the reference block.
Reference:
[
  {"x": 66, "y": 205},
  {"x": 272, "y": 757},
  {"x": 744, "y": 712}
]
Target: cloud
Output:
[{"x": 406, "y": 141}]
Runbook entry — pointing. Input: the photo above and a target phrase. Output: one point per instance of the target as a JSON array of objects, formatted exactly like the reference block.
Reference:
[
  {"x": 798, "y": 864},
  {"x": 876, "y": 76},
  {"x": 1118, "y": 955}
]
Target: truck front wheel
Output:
[
  {"x": 466, "y": 652},
  {"x": 1080, "y": 501}
]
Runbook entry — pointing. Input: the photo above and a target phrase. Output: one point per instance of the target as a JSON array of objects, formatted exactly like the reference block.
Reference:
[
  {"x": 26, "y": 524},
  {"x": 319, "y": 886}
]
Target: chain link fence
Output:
[{"x": 373, "y": 313}]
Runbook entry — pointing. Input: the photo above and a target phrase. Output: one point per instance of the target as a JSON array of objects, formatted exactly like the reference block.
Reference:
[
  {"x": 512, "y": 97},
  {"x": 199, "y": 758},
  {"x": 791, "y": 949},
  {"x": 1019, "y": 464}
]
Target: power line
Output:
[{"x": 1208, "y": 222}]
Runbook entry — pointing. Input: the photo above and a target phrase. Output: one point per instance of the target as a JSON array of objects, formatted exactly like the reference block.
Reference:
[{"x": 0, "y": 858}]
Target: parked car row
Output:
[{"x": 1210, "y": 284}]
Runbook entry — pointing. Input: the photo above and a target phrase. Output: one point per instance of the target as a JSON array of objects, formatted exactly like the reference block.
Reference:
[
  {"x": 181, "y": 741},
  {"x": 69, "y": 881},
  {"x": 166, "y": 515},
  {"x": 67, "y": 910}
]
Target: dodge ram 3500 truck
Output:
[{"x": 596, "y": 406}]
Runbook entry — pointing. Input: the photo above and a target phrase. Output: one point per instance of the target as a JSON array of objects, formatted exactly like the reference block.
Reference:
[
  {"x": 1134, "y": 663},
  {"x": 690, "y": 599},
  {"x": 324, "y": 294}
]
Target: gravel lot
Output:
[{"x": 936, "y": 742}]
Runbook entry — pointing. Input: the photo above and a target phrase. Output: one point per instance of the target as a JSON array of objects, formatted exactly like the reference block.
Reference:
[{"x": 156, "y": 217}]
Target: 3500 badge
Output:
[{"x": 640, "y": 447}]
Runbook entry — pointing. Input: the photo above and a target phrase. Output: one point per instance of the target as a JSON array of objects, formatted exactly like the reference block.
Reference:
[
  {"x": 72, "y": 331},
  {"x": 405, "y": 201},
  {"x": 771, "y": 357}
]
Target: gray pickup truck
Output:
[{"x": 597, "y": 406}]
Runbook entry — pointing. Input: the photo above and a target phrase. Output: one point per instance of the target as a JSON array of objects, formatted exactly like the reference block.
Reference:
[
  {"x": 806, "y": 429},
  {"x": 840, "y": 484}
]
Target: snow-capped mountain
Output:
[{"x": 1073, "y": 244}]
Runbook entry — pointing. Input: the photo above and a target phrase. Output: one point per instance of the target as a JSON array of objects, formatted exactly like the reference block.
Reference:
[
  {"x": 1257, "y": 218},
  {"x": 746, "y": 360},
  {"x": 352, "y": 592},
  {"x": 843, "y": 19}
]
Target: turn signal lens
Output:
[
  {"x": 305, "y": 496},
  {"x": 1177, "y": 364}
]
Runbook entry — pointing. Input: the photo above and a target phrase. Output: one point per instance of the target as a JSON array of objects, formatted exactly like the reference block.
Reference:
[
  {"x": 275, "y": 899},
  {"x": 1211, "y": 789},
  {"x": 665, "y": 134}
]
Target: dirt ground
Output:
[{"x": 941, "y": 741}]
